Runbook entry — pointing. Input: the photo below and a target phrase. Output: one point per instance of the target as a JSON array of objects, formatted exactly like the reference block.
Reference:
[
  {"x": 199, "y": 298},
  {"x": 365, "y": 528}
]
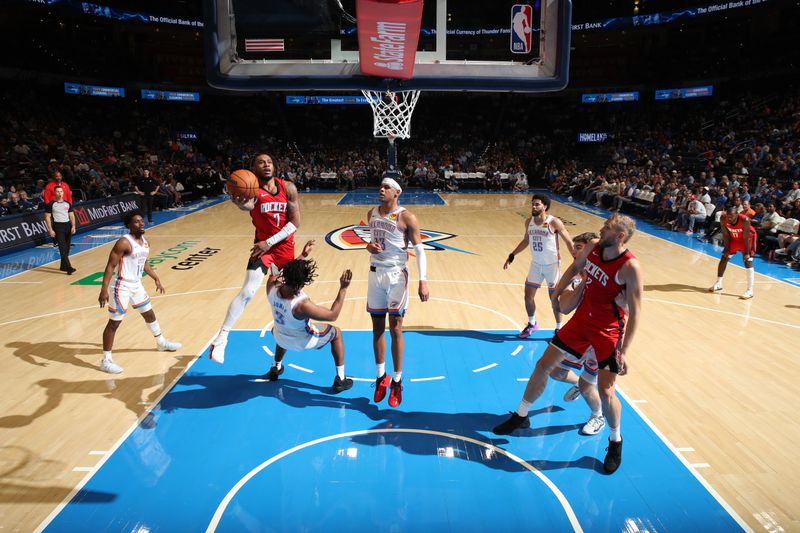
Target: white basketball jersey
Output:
[
  {"x": 131, "y": 266},
  {"x": 385, "y": 230},
  {"x": 543, "y": 242},
  {"x": 283, "y": 314}
]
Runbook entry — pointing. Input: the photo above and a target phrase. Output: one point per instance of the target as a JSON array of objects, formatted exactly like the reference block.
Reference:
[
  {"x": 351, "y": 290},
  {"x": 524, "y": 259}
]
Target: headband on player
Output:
[{"x": 391, "y": 183}]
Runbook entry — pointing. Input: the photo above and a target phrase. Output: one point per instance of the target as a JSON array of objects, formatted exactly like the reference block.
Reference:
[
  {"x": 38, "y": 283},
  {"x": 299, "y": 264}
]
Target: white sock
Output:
[
  {"x": 340, "y": 371},
  {"x": 523, "y": 408},
  {"x": 380, "y": 369},
  {"x": 598, "y": 412},
  {"x": 751, "y": 277},
  {"x": 614, "y": 434},
  {"x": 252, "y": 282},
  {"x": 719, "y": 281},
  {"x": 558, "y": 325},
  {"x": 278, "y": 364},
  {"x": 155, "y": 328},
  {"x": 107, "y": 356},
  {"x": 532, "y": 319},
  {"x": 398, "y": 376}
]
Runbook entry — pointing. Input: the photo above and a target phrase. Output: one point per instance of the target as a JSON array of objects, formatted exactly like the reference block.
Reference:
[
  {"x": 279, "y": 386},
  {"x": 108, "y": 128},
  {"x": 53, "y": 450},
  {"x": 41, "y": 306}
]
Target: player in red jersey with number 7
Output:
[
  {"x": 275, "y": 213},
  {"x": 598, "y": 323}
]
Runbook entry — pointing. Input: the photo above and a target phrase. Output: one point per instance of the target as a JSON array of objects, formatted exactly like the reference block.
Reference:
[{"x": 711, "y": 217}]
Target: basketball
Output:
[{"x": 242, "y": 184}]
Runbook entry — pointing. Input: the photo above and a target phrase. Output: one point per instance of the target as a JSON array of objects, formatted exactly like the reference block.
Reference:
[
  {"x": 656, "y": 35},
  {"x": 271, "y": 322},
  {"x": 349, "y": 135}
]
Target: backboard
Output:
[{"x": 464, "y": 45}]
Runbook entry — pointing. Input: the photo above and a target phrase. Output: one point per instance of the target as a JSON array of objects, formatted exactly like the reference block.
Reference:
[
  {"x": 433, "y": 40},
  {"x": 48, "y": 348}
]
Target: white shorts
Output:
[
  {"x": 387, "y": 290},
  {"x": 315, "y": 338},
  {"x": 537, "y": 273},
  {"x": 122, "y": 293},
  {"x": 588, "y": 362}
]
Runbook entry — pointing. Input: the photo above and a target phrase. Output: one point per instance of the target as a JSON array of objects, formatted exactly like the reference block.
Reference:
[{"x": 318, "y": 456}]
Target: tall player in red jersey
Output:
[
  {"x": 276, "y": 215},
  {"x": 598, "y": 323},
  {"x": 737, "y": 236}
]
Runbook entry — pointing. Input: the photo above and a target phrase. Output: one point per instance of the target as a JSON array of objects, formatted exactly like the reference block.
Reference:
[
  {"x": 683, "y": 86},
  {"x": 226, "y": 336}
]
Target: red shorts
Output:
[
  {"x": 578, "y": 335},
  {"x": 738, "y": 246},
  {"x": 268, "y": 259}
]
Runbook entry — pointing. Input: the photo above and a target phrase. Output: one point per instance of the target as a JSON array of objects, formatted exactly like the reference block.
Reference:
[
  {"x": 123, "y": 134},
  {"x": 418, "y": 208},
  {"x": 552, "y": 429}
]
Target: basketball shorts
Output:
[
  {"x": 548, "y": 273},
  {"x": 263, "y": 263},
  {"x": 738, "y": 246},
  {"x": 578, "y": 336},
  {"x": 315, "y": 338},
  {"x": 124, "y": 293},
  {"x": 587, "y": 363},
  {"x": 387, "y": 290}
]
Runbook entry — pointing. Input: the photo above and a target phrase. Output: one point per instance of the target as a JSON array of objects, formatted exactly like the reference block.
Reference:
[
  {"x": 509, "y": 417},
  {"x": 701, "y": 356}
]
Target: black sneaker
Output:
[
  {"x": 613, "y": 457},
  {"x": 273, "y": 373},
  {"x": 340, "y": 384},
  {"x": 514, "y": 422}
]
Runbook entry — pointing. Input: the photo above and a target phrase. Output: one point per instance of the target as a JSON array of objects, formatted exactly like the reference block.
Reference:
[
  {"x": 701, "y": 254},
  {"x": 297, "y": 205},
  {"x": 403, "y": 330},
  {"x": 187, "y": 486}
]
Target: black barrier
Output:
[{"x": 23, "y": 231}]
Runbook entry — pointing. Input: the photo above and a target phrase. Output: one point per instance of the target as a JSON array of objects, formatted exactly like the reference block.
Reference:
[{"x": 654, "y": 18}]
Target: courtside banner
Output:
[
  {"x": 388, "y": 32},
  {"x": 30, "y": 229}
]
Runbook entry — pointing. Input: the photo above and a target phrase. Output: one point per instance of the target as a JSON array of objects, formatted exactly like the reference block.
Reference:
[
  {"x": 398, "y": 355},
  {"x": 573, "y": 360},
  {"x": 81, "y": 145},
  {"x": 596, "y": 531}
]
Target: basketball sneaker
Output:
[
  {"x": 164, "y": 345},
  {"x": 381, "y": 384},
  {"x": 747, "y": 295},
  {"x": 396, "y": 393},
  {"x": 107, "y": 365},
  {"x": 528, "y": 330},
  {"x": 572, "y": 394},
  {"x": 514, "y": 422},
  {"x": 594, "y": 425},
  {"x": 217, "y": 350},
  {"x": 716, "y": 288},
  {"x": 274, "y": 372},
  {"x": 613, "y": 456},
  {"x": 340, "y": 384}
]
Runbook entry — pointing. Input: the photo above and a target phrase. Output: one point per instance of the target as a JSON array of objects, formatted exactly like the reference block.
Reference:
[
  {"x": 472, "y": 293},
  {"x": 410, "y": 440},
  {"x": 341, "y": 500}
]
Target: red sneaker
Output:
[
  {"x": 381, "y": 384},
  {"x": 396, "y": 394}
]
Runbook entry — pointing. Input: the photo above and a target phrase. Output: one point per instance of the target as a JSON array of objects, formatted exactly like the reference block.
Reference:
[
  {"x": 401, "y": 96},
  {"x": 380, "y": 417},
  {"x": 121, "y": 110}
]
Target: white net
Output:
[{"x": 392, "y": 112}]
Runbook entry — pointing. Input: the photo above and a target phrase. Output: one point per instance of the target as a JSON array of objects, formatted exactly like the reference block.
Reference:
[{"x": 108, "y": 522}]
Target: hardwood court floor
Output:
[{"x": 714, "y": 374}]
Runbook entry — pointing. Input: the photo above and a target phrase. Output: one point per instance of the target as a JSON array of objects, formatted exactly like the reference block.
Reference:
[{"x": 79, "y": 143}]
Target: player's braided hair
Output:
[{"x": 298, "y": 273}]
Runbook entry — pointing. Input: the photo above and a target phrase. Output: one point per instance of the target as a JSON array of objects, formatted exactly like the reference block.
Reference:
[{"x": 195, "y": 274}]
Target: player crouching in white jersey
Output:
[
  {"x": 292, "y": 311},
  {"x": 541, "y": 235},
  {"x": 129, "y": 258},
  {"x": 586, "y": 385}
]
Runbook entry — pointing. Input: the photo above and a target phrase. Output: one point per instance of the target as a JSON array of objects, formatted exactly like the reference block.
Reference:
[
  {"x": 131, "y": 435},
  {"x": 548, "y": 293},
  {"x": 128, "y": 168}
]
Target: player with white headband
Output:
[{"x": 391, "y": 227}]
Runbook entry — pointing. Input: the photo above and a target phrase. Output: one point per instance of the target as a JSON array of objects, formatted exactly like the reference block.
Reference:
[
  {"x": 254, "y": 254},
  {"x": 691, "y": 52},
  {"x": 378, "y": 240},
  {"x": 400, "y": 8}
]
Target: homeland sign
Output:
[{"x": 30, "y": 229}]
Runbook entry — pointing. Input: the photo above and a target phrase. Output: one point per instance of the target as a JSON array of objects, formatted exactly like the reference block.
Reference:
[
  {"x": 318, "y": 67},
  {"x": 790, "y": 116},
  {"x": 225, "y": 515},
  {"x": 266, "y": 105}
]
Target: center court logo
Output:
[{"x": 356, "y": 237}]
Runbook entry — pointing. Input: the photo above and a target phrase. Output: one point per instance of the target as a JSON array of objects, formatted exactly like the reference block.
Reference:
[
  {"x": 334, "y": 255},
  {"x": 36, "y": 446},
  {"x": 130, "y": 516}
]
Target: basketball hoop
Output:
[{"x": 392, "y": 112}]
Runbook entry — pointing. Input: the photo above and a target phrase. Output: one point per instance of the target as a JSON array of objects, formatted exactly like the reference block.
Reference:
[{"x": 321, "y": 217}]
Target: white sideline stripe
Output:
[
  {"x": 88, "y": 476},
  {"x": 83, "y": 469},
  {"x": 300, "y": 368},
  {"x": 517, "y": 350},
  {"x": 700, "y": 465},
  {"x": 684, "y": 449},
  {"x": 434, "y": 378},
  {"x": 269, "y": 352},
  {"x": 523, "y": 379},
  {"x": 98, "y": 452},
  {"x": 751, "y": 317},
  {"x": 688, "y": 466},
  {"x": 220, "y": 510},
  {"x": 487, "y": 367},
  {"x": 361, "y": 379}
]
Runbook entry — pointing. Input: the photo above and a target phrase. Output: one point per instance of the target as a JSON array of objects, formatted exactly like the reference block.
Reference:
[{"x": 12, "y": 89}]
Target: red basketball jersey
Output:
[
  {"x": 269, "y": 215},
  {"x": 735, "y": 230},
  {"x": 602, "y": 287}
]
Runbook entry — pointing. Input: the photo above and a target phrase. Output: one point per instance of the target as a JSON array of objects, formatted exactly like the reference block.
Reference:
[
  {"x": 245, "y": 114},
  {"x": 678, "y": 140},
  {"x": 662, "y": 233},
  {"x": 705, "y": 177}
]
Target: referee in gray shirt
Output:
[{"x": 60, "y": 220}]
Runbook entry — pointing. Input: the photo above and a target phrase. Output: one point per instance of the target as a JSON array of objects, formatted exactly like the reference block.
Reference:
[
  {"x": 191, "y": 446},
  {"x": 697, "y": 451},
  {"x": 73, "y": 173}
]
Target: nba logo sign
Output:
[{"x": 521, "y": 19}]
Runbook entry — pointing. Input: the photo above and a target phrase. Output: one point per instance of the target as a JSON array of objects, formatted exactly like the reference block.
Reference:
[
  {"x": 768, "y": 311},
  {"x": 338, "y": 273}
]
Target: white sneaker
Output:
[
  {"x": 781, "y": 251},
  {"x": 217, "y": 351},
  {"x": 593, "y": 425},
  {"x": 747, "y": 295},
  {"x": 168, "y": 346},
  {"x": 716, "y": 288},
  {"x": 107, "y": 365},
  {"x": 572, "y": 394}
]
